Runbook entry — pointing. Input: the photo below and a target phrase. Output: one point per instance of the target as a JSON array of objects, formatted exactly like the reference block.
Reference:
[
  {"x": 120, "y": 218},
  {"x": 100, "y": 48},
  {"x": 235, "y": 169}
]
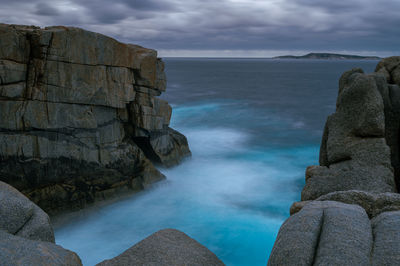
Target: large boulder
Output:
[
  {"x": 165, "y": 247},
  {"x": 20, "y": 251},
  {"x": 324, "y": 233},
  {"x": 21, "y": 217},
  {"x": 354, "y": 154},
  {"x": 26, "y": 234},
  {"x": 386, "y": 249},
  {"x": 80, "y": 119}
]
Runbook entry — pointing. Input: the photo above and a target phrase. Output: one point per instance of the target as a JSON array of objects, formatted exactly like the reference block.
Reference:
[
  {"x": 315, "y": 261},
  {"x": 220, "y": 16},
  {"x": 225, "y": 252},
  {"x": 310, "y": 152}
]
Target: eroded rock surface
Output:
[
  {"x": 79, "y": 116},
  {"x": 165, "y": 247},
  {"x": 324, "y": 233},
  {"x": 21, "y": 217},
  {"x": 373, "y": 203},
  {"x": 354, "y": 154},
  {"x": 350, "y": 208},
  {"x": 26, "y": 234},
  {"x": 16, "y": 250}
]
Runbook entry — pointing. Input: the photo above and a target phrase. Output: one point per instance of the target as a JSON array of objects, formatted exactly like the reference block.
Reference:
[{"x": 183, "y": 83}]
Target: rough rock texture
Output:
[
  {"x": 373, "y": 203},
  {"x": 166, "y": 247},
  {"x": 354, "y": 154},
  {"x": 350, "y": 211},
  {"x": 320, "y": 232},
  {"x": 21, "y": 217},
  {"x": 16, "y": 250},
  {"x": 79, "y": 116},
  {"x": 26, "y": 235},
  {"x": 389, "y": 70},
  {"x": 386, "y": 239}
]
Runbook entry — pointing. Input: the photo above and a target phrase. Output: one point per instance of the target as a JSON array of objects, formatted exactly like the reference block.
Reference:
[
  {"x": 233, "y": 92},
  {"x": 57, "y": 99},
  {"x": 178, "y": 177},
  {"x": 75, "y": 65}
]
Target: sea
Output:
[{"x": 253, "y": 126}]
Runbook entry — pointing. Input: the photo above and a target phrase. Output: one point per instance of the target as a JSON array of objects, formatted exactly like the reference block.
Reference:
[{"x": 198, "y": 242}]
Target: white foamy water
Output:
[{"x": 228, "y": 197}]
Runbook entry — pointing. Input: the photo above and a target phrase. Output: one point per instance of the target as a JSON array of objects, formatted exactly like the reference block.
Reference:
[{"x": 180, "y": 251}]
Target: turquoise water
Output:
[{"x": 253, "y": 126}]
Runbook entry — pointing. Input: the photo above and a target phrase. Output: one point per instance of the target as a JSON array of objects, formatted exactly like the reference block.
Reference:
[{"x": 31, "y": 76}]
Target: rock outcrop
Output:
[
  {"x": 165, "y": 247},
  {"x": 26, "y": 235},
  {"x": 350, "y": 211},
  {"x": 79, "y": 116}
]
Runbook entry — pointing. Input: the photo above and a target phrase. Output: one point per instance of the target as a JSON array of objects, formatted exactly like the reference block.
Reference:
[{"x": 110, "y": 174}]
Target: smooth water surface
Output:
[{"x": 253, "y": 127}]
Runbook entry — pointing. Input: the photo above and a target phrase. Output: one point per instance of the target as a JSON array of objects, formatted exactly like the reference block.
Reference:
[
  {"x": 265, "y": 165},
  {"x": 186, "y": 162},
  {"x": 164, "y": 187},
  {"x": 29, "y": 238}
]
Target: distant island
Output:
[{"x": 328, "y": 56}]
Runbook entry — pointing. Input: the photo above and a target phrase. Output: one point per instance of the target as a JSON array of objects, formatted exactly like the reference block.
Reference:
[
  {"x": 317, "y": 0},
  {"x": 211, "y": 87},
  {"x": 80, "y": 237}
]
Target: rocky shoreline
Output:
[
  {"x": 349, "y": 213},
  {"x": 80, "y": 121}
]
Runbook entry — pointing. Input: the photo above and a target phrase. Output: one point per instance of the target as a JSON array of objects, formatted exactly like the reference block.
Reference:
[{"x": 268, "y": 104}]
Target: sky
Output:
[{"x": 226, "y": 28}]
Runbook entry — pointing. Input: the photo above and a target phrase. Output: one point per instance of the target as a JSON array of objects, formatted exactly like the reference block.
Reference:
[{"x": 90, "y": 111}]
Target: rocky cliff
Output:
[
  {"x": 350, "y": 208},
  {"x": 79, "y": 116}
]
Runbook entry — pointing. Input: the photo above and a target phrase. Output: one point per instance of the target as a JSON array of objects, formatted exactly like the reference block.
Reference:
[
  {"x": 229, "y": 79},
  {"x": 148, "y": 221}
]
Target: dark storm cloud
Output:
[
  {"x": 306, "y": 25},
  {"x": 44, "y": 9},
  {"x": 149, "y": 5}
]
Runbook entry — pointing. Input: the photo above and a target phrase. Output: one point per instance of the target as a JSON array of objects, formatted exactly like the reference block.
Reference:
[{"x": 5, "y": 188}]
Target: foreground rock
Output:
[
  {"x": 166, "y": 247},
  {"x": 80, "y": 119},
  {"x": 16, "y": 250},
  {"x": 26, "y": 235},
  {"x": 333, "y": 233},
  {"x": 21, "y": 217},
  {"x": 350, "y": 211},
  {"x": 324, "y": 233}
]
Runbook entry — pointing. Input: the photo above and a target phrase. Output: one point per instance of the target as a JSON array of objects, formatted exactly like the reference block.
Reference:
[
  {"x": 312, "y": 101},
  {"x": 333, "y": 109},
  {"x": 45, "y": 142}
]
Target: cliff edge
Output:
[
  {"x": 350, "y": 208},
  {"x": 79, "y": 116}
]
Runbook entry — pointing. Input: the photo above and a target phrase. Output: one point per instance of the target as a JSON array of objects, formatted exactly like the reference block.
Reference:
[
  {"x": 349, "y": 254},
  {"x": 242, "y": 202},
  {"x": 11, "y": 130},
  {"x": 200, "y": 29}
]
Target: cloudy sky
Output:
[{"x": 244, "y": 28}]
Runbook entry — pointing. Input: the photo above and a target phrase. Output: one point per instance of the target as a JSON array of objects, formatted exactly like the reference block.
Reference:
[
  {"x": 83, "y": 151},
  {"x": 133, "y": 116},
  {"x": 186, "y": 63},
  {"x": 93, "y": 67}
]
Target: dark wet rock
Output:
[
  {"x": 324, "y": 233},
  {"x": 80, "y": 119},
  {"x": 166, "y": 247},
  {"x": 16, "y": 250},
  {"x": 21, "y": 217}
]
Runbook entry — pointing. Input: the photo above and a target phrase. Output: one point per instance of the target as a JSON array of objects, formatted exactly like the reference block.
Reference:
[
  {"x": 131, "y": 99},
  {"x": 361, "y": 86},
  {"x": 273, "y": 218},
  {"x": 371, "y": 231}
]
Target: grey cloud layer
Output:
[{"x": 224, "y": 24}]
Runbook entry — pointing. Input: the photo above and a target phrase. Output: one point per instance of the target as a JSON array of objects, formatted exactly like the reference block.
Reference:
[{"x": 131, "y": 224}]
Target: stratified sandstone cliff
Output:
[
  {"x": 79, "y": 116},
  {"x": 350, "y": 211}
]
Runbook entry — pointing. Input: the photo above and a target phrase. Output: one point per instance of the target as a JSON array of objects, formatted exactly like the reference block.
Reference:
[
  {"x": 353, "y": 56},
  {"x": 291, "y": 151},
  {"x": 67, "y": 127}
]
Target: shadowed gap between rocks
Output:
[{"x": 144, "y": 144}]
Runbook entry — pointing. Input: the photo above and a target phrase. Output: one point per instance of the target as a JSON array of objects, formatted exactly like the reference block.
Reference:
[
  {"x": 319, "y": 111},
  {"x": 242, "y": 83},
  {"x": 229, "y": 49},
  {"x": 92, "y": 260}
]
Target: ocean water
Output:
[{"x": 253, "y": 126}]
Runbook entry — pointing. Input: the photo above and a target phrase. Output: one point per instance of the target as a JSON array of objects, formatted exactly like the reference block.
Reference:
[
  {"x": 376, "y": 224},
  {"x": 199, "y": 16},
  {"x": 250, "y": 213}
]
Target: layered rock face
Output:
[
  {"x": 350, "y": 211},
  {"x": 79, "y": 116}
]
